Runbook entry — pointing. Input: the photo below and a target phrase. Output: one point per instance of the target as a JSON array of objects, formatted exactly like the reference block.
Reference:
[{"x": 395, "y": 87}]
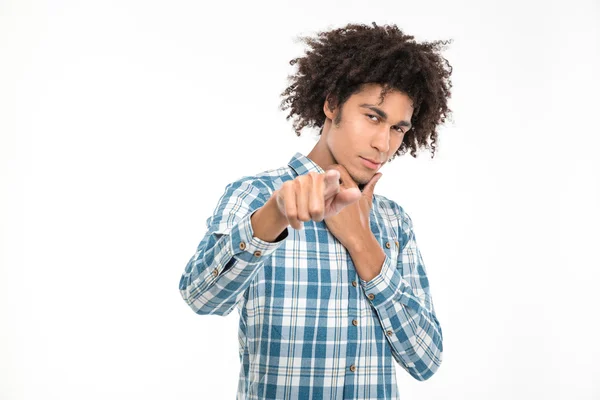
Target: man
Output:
[{"x": 327, "y": 277}]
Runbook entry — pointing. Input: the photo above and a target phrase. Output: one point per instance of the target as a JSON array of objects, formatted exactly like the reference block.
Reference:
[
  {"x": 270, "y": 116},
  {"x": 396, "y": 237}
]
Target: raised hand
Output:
[{"x": 313, "y": 196}]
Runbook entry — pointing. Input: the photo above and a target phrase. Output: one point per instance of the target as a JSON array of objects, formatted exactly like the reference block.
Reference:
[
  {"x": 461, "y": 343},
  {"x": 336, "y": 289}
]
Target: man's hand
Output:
[
  {"x": 351, "y": 226},
  {"x": 313, "y": 196}
]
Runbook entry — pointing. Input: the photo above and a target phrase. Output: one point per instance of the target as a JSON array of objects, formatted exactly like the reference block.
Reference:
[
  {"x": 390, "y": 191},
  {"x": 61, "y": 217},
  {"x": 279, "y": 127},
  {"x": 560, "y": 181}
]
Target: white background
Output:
[{"x": 121, "y": 123}]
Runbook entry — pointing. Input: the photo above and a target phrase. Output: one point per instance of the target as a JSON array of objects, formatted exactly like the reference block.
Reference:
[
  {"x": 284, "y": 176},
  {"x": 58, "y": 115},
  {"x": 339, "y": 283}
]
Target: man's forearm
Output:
[
  {"x": 368, "y": 257},
  {"x": 267, "y": 222}
]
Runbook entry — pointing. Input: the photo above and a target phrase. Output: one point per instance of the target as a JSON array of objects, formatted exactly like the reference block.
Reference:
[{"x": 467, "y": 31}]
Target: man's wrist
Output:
[
  {"x": 363, "y": 244},
  {"x": 268, "y": 223},
  {"x": 368, "y": 257}
]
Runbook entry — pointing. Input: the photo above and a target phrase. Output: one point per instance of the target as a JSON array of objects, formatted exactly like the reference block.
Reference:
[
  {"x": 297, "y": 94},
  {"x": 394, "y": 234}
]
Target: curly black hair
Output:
[{"x": 342, "y": 60}]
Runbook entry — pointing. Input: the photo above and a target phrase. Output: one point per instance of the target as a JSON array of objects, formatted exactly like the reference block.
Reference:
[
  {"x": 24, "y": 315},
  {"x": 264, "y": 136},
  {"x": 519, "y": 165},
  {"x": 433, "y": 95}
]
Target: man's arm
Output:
[
  {"x": 400, "y": 297},
  {"x": 243, "y": 231}
]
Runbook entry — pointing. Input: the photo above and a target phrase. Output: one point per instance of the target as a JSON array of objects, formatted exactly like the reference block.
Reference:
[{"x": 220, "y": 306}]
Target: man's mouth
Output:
[{"x": 370, "y": 164}]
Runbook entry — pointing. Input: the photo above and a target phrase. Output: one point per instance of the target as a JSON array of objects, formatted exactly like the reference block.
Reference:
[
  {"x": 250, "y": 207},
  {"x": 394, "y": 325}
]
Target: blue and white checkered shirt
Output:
[{"x": 310, "y": 327}]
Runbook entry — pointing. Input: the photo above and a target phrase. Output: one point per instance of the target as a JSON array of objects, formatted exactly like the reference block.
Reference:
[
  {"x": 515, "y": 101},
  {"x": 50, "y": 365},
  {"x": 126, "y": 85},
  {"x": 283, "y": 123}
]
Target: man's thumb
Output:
[{"x": 370, "y": 186}]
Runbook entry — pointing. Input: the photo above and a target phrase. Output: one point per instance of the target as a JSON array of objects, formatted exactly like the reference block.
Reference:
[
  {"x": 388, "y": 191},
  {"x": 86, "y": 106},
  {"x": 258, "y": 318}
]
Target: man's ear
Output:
[{"x": 329, "y": 113}]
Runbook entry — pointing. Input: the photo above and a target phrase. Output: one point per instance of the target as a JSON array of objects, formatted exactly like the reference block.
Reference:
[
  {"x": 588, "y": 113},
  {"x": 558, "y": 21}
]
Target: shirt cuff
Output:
[
  {"x": 248, "y": 248},
  {"x": 389, "y": 285}
]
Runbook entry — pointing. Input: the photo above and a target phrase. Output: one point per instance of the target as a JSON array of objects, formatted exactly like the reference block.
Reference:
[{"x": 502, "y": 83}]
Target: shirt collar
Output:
[{"x": 302, "y": 165}]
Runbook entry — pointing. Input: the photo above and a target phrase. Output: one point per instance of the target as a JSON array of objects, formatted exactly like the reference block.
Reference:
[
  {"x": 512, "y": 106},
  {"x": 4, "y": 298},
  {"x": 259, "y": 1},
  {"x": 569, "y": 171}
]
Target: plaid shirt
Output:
[{"x": 310, "y": 327}]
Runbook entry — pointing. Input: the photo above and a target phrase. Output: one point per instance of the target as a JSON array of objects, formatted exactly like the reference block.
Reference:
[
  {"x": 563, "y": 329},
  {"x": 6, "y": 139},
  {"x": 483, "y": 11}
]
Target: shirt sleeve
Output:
[
  {"x": 401, "y": 298},
  {"x": 228, "y": 256}
]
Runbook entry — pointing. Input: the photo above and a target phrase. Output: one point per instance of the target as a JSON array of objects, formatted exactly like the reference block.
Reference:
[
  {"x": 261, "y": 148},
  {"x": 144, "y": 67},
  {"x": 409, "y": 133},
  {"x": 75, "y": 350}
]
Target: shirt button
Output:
[
  {"x": 257, "y": 253},
  {"x": 354, "y": 322},
  {"x": 215, "y": 272},
  {"x": 389, "y": 333},
  {"x": 242, "y": 245},
  {"x": 387, "y": 244},
  {"x": 371, "y": 296},
  {"x": 397, "y": 244},
  {"x": 352, "y": 368},
  {"x": 354, "y": 283}
]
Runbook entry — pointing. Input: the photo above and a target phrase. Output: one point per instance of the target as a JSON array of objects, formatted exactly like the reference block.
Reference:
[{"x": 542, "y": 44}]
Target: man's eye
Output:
[{"x": 399, "y": 129}]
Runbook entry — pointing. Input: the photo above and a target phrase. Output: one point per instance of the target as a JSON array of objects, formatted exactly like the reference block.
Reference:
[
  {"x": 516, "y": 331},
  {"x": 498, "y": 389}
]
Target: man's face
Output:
[{"x": 364, "y": 133}]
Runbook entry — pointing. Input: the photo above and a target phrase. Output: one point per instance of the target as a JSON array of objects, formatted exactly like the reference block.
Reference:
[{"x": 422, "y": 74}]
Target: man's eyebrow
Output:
[{"x": 383, "y": 115}]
